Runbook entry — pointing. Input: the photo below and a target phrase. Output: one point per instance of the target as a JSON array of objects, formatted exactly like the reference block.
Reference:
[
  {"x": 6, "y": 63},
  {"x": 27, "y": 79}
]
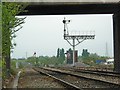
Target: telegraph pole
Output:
[
  {"x": 74, "y": 37},
  {"x": 73, "y": 51},
  {"x": 106, "y": 53}
]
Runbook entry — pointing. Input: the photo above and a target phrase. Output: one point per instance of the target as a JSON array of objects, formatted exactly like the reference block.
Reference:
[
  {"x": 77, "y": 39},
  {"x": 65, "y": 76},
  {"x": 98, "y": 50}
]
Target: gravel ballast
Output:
[{"x": 32, "y": 79}]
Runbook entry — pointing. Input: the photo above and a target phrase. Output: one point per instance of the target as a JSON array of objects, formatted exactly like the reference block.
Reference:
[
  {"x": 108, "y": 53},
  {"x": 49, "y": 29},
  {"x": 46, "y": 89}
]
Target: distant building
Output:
[
  {"x": 100, "y": 61},
  {"x": 109, "y": 61}
]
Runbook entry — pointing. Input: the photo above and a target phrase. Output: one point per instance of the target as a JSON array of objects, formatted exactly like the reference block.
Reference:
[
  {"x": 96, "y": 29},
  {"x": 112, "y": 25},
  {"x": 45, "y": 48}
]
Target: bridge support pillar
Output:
[{"x": 116, "y": 36}]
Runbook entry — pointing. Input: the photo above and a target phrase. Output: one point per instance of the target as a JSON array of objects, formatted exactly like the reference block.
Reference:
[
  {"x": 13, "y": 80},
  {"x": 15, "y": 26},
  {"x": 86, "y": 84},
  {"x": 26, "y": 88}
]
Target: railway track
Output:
[
  {"x": 97, "y": 70},
  {"x": 113, "y": 74},
  {"x": 109, "y": 70},
  {"x": 101, "y": 75},
  {"x": 64, "y": 83},
  {"x": 105, "y": 73},
  {"x": 75, "y": 80}
]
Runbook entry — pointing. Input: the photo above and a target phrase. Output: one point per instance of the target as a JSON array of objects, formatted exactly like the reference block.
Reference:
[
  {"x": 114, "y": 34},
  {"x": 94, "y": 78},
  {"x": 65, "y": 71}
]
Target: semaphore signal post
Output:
[{"x": 79, "y": 37}]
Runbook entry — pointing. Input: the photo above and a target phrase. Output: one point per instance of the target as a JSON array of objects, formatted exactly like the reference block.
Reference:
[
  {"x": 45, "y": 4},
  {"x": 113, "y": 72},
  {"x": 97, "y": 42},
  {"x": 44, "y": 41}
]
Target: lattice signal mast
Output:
[{"x": 79, "y": 37}]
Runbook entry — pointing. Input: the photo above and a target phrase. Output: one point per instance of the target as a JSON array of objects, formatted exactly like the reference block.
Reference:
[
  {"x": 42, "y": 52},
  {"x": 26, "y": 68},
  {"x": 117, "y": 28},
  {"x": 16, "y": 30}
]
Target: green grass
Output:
[{"x": 20, "y": 65}]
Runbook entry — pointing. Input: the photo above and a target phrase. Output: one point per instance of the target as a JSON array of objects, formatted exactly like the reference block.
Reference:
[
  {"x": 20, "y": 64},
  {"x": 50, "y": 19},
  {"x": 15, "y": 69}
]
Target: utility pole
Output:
[
  {"x": 73, "y": 51},
  {"x": 74, "y": 37},
  {"x": 106, "y": 53}
]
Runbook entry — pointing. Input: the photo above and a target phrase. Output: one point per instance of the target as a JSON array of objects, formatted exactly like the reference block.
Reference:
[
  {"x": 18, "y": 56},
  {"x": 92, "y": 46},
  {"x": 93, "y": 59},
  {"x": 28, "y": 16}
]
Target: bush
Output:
[
  {"x": 20, "y": 65},
  {"x": 13, "y": 71},
  {"x": 13, "y": 63},
  {"x": 42, "y": 61}
]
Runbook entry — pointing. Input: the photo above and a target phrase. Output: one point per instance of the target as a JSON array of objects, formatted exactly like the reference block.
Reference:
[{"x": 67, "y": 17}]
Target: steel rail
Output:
[
  {"x": 98, "y": 73},
  {"x": 72, "y": 86},
  {"x": 106, "y": 73},
  {"x": 77, "y": 75}
]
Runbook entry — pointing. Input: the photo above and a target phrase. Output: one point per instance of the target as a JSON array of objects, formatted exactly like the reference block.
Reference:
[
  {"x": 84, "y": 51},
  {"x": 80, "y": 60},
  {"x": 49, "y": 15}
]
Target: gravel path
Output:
[{"x": 32, "y": 79}]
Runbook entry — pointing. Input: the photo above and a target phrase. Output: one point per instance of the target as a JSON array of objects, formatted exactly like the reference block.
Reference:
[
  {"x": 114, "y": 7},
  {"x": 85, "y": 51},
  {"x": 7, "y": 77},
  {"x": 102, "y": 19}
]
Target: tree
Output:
[
  {"x": 10, "y": 25},
  {"x": 0, "y": 32},
  {"x": 58, "y": 53},
  {"x": 63, "y": 54},
  {"x": 70, "y": 50},
  {"x": 85, "y": 53}
]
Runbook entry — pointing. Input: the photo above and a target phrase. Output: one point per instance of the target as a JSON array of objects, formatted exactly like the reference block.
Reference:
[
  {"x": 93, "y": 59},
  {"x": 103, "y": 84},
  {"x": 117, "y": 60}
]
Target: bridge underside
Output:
[
  {"x": 59, "y": 9},
  {"x": 95, "y": 8}
]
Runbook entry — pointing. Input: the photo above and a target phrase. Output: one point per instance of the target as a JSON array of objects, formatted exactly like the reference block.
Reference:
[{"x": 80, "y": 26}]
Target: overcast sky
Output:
[{"x": 44, "y": 34}]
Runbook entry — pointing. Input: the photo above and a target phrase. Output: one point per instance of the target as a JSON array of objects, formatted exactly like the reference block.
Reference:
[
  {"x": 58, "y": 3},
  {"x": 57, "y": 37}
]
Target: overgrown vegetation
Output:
[
  {"x": 0, "y": 68},
  {"x": 0, "y": 63},
  {"x": 45, "y": 61},
  {"x": 90, "y": 59},
  {"x": 10, "y": 25}
]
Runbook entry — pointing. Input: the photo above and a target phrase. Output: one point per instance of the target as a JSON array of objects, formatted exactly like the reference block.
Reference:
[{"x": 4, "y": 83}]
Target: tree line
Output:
[{"x": 90, "y": 58}]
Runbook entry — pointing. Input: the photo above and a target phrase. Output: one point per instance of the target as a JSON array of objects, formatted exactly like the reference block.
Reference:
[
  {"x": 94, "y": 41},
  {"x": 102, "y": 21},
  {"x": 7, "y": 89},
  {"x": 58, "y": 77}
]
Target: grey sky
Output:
[{"x": 44, "y": 34}]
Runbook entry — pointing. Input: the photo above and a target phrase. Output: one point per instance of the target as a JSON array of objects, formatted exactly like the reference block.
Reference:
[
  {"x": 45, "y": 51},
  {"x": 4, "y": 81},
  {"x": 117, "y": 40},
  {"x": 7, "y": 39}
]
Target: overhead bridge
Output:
[
  {"x": 60, "y": 7},
  {"x": 70, "y": 8}
]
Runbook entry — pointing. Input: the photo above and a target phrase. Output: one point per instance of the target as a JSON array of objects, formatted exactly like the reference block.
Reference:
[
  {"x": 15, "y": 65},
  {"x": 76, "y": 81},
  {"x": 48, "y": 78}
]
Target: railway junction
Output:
[
  {"x": 54, "y": 7},
  {"x": 75, "y": 78},
  {"x": 67, "y": 78}
]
